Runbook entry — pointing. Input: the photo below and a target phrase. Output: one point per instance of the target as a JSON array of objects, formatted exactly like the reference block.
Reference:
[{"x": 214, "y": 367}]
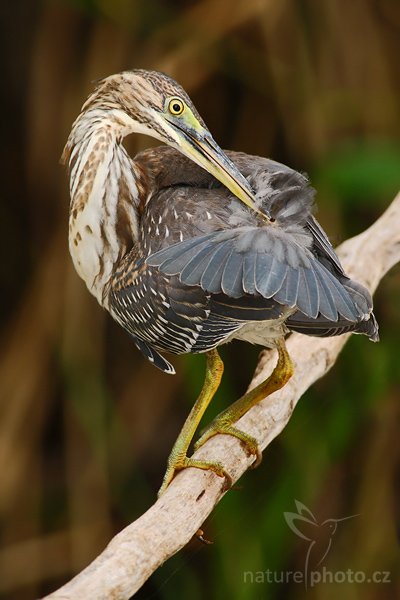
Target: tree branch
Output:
[{"x": 136, "y": 552}]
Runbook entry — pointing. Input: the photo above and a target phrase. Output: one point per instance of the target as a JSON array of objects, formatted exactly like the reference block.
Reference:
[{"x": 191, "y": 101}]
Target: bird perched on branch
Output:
[{"x": 189, "y": 247}]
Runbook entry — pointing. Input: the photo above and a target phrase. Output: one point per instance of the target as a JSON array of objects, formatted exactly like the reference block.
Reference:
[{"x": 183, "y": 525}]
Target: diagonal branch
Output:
[{"x": 136, "y": 552}]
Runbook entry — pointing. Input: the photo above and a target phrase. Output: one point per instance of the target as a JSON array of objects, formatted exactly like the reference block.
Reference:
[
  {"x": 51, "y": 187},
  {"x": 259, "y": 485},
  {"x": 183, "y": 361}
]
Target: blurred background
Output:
[{"x": 86, "y": 424}]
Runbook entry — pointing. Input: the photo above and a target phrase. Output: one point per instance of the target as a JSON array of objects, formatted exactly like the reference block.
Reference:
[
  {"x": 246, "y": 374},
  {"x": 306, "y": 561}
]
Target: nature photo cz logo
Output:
[{"x": 319, "y": 537}]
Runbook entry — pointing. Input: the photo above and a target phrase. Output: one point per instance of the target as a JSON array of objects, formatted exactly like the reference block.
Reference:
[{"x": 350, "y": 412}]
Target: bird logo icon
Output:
[{"x": 319, "y": 534}]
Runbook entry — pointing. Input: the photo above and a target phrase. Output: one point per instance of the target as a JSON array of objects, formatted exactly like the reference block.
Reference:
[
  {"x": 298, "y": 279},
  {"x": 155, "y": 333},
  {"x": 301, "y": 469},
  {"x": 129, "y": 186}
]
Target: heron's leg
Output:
[
  {"x": 178, "y": 458},
  {"x": 223, "y": 423}
]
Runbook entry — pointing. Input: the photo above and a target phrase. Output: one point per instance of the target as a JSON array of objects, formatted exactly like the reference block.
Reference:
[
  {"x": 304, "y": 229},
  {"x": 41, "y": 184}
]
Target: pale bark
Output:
[{"x": 136, "y": 552}]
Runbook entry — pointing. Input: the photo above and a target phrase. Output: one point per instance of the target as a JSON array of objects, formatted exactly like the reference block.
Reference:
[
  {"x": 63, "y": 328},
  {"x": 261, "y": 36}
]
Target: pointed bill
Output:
[{"x": 198, "y": 145}]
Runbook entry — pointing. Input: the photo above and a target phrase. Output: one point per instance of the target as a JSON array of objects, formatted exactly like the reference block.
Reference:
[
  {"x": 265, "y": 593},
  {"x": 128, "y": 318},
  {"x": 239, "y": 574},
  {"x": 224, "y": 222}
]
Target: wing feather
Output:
[
  {"x": 194, "y": 269},
  {"x": 232, "y": 280},
  {"x": 322, "y": 243},
  {"x": 308, "y": 293},
  {"x": 153, "y": 356},
  {"x": 339, "y": 299},
  {"x": 270, "y": 275},
  {"x": 210, "y": 280},
  {"x": 289, "y": 291},
  {"x": 249, "y": 273},
  {"x": 173, "y": 259}
]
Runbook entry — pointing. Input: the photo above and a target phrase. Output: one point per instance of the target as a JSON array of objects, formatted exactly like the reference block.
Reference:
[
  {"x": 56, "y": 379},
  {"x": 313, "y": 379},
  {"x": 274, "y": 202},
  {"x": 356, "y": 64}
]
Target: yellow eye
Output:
[{"x": 176, "y": 107}]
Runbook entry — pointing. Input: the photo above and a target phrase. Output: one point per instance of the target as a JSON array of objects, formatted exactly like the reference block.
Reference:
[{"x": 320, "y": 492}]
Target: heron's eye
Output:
[{"x": 176, "y": 107}]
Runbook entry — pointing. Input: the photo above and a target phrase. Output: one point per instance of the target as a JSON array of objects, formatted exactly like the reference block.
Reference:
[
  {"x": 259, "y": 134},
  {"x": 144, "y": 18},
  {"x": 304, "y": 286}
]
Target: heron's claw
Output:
[
  {"x": 249, "y": 443},
  {"x": 175, "y": 465}
]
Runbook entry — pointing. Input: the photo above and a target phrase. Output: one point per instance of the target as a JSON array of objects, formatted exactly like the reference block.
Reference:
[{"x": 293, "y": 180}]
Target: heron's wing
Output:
[
  {"x": 262, "y": 261},
  {"x": 322, "y": 245}
]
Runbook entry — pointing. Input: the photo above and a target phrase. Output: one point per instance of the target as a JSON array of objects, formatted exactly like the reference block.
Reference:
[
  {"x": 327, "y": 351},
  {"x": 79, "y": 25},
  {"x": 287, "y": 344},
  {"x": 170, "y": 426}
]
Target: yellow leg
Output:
[
  {"x": 178, "y": 458},
  {"x": 223, "y": 422}
]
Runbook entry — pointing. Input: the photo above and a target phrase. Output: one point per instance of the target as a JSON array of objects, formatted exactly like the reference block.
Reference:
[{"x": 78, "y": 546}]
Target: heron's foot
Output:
[
  {"x": 249, "y": 443},
  {"x": 176, "y": 464}
]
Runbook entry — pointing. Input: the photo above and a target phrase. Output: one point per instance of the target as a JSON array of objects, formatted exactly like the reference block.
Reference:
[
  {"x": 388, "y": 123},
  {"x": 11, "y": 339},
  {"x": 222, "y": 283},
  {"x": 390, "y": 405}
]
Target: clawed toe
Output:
[
  {"x": 248, "y": 442},
  {"x": 186, "y": 462}
]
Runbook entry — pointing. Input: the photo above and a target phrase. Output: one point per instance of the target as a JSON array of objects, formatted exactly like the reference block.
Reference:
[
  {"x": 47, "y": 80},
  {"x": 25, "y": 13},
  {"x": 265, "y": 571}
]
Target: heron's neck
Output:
[{"x": 106, "y": 187}]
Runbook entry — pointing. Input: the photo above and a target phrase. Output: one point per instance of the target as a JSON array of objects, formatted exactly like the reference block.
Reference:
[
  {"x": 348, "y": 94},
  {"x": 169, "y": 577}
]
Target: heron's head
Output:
[{"x": 152, "y": 103}]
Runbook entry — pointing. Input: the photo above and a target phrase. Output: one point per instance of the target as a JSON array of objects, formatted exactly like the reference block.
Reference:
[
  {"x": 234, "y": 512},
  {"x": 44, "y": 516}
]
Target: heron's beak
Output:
[{"x": 199, "y": 145}]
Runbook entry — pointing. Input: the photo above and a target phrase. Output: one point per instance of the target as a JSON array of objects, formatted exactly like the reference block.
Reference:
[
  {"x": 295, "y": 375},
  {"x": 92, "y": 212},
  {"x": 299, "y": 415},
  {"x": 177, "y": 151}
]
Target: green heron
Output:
[{"x": 189, "y": 247}]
